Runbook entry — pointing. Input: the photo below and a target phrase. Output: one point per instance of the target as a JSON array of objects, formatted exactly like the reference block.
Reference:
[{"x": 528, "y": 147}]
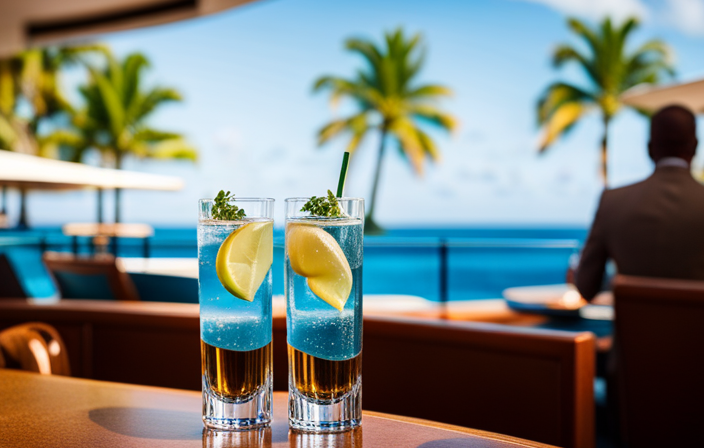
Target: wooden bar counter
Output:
[{"x": 52, "y": 411}]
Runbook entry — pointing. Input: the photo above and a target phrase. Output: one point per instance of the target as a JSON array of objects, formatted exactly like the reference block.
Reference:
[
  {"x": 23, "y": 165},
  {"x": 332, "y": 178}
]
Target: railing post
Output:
[
  {"x": 443, "y": 278},
  {"x": 100, "y": 205}
]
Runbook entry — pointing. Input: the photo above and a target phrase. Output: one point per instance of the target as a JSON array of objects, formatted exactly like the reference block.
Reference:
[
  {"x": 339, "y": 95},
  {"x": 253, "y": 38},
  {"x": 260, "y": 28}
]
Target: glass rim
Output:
[
  {"x": 307, "y": 198},
  {"x": 248, "y": 199}
]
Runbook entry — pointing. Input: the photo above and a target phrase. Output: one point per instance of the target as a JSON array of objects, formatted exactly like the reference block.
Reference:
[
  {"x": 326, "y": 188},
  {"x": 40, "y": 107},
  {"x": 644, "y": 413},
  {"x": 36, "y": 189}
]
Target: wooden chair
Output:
[
  {"x": 660, "y": 341},
  {"x": 10, "y": 285},
  {"x": 99, "y": 277},
  {"x": 533, "y": 384},
  {"x": 35, "y": 347},
  {"x": 148, "y": 343}
]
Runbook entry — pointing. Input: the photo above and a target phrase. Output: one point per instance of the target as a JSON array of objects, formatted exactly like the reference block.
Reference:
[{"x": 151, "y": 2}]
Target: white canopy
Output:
[
  {"x": 689, "y": 94},
  {"x": 31, "y": 172}
]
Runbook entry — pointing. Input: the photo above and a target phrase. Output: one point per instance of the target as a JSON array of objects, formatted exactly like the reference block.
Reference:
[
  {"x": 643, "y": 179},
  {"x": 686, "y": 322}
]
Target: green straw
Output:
[{"x": 343, "y": 174}]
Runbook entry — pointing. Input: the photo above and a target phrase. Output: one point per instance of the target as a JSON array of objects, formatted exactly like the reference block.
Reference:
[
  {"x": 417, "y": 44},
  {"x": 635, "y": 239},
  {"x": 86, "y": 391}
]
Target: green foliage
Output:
[
  {"x": 32, "y": 78},
  {"x": 114, "y": 115},
  {"x": 223, "y": 210},
  {"x": 389, "y": 100},
  {"x": 611, "y": 69},
  {"x": 324, "y": 207}
]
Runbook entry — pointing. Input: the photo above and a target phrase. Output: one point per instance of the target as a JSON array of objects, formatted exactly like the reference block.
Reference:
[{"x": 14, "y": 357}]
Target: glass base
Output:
[
  {"x": 251, "y": 412},
  {"x": 256, "y": 438},
  {"x": 307, "y": 415}
]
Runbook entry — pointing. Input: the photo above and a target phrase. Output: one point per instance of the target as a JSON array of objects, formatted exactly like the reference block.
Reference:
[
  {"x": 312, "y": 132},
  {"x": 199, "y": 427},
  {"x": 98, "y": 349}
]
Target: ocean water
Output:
[{"x": 480, "y": 261}]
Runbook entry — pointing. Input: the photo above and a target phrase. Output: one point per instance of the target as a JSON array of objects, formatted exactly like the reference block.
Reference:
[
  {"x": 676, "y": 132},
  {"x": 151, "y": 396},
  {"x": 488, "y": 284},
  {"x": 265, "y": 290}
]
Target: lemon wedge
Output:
[
  {"x": 315, "y": 255},
  {"x": 244, "y": 259}
]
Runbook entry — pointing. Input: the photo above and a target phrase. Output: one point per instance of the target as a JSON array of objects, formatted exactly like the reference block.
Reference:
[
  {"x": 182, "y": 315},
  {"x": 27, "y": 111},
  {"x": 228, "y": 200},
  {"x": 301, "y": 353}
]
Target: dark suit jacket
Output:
[{"x": 654, "y": 228}]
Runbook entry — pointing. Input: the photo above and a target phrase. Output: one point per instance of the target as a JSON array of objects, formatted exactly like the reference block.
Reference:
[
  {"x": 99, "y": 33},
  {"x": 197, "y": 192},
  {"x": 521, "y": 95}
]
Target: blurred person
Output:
[{"x": 653, "y": 228}]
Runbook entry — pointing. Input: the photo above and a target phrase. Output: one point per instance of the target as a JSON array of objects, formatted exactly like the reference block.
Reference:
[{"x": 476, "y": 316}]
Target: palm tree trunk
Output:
[
  {"x": 23, "y": 222},
  {"x": 118, "y": 194},
  {"x": 370, "y": 226},
  {"x": 604, "y": 152},
  {"x": 118, "y": 191}
]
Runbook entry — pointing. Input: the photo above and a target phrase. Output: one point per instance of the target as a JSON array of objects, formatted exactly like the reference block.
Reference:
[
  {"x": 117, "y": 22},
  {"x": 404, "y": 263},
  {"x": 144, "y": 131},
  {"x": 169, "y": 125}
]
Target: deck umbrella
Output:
[
  {"x": 650, "y": 98},
  {"x": 26, "y": 172}
]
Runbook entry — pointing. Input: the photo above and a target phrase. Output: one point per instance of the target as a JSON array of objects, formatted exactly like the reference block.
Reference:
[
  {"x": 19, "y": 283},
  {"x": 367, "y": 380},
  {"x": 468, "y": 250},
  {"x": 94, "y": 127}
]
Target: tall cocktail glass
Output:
[
  {"x": 324, "y": 316},
  {"x": 234, "y": 285}
]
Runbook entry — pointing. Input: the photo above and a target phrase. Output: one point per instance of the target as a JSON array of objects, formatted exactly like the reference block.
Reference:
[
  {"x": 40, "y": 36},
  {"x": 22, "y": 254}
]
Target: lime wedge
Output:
[
  {"x": 315, "y": 255},
  {"x": 244, "y": 259}
]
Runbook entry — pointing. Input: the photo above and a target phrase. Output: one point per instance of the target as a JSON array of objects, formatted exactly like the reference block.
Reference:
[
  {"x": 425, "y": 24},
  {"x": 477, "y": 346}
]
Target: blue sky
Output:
[{"x": 246, "y": 76}]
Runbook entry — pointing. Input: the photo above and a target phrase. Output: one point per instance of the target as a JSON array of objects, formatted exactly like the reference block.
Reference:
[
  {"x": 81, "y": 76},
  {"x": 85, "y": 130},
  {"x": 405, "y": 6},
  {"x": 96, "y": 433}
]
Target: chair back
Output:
[
  {"x": 660, "y": 340},
  {"x": 34, "y": 347},
  {"x": 99, "y": 277},
  {"x": 10, "y": 285},
  {"x": 528, "y": 383}
]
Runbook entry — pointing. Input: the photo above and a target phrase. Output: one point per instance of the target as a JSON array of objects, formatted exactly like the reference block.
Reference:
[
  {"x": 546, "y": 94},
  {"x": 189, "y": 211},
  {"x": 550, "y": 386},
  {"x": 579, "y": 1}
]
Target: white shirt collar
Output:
[{"x": 672, "y": 161}]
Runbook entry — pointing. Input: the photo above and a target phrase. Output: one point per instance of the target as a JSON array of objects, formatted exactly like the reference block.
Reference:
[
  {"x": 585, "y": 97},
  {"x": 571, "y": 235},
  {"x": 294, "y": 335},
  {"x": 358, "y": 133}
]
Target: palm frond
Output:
[
  {"x": 176, "y": 148},
  {"x": 566, "y": 53},
  {"x": 132, "y": 68},
  {"x": 109, "y": 99},
  {"x": 72, "y": 54},
  {"x": 8, "y": 135},
  {"x": 63, "y": 137},
  {"x": 409, "y": 143},
  {"x": 430, "y": 91},
  {"x": 429, "y": 145},
  {"x": 151, "y": 135},
  {"x": 557, "y": 94},
  {"x": 357, "y": 125},
  {"x": 331, "y": 130},
  {"x": 654, "y": 47},
  {"x": 560, "y": 121},
  {"x": 8, "y": 87},
  {"x": 582, "y": 29},
  {"x": 145, "y": 105},
  {"x": 435, "y": 116},
  {"x": 365, "y": 48}
]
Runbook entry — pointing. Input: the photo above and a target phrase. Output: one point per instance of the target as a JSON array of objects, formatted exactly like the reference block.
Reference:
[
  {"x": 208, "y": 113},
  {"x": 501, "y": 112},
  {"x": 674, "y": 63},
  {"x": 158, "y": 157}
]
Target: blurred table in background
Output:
[
  {"x": 52, "y": 411},
  {"x": 175, "y": 267},
  {"x": 102, "y": 234}
]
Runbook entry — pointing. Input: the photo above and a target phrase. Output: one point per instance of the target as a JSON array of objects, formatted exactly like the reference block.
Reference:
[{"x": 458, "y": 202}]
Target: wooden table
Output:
[
  {"x": 102, "y": 233},
  {"x": 51, "y": 411}
]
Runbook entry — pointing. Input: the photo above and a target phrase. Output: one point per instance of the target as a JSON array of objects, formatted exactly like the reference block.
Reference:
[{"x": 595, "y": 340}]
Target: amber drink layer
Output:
[{"x": 321, "y": 379}]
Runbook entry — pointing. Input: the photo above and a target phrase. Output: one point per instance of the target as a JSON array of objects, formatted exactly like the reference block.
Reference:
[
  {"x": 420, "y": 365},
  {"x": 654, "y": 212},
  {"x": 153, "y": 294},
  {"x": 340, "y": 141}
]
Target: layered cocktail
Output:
[
  {"x": 235, "y": 252},
  {"x": 324, "y": 255}
]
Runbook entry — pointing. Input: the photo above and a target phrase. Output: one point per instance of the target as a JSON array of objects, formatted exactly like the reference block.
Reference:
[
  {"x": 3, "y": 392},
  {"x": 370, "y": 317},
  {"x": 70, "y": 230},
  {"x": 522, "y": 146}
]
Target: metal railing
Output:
[{"x": 444, "y": 247}]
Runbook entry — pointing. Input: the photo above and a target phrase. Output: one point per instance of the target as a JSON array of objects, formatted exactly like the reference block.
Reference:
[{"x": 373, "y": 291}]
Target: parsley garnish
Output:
[
  {"x": 325, "y": 207},
  {"x": 224, "y": 211}
]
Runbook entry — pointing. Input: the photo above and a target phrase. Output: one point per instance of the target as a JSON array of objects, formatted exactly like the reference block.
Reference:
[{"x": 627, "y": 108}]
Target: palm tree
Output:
[
  {"x": 610, "y": 68},
  {"x": 389, "y": 100},
  {"x": 113, "y": 119},
  {"x": 14, "y": 130},
  {"x": 32, "y": 78}
]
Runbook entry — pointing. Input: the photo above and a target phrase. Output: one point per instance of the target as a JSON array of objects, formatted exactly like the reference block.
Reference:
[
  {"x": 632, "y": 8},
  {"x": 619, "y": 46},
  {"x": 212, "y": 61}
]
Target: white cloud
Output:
[
  {"x": 686, "y": 15},
  {"x": 597, "y": 9}
]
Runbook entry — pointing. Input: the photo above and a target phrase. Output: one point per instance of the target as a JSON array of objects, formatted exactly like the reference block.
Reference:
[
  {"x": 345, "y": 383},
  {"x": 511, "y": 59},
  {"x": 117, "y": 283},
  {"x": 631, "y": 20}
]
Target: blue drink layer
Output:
[
  {"x": 226, "y": 321},
  {"x": 314, "y": 326}
]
